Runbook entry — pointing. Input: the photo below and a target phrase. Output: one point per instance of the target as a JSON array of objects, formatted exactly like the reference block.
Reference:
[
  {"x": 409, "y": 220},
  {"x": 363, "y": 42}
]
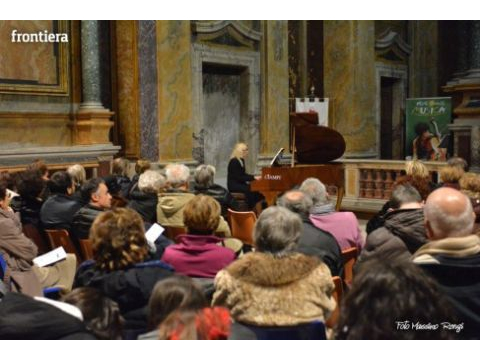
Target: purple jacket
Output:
[{"x": 198, "y": 255}]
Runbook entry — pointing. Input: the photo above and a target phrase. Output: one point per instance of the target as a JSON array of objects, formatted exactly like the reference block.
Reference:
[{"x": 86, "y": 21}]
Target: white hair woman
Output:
[
  {"x": 275, "y": 285},
  {"x": 144, "y": 198},
  {"x": 238, "y": 180}
]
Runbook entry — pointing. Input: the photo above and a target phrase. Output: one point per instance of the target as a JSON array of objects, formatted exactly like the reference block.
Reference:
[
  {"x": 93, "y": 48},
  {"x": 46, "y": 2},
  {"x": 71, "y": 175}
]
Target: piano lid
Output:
[{"x": 315, "y": 144}]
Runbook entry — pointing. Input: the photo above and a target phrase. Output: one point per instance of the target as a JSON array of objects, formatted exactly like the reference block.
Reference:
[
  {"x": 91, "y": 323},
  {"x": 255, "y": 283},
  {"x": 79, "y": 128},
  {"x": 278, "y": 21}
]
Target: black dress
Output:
[{"x": 239, "y": 181}]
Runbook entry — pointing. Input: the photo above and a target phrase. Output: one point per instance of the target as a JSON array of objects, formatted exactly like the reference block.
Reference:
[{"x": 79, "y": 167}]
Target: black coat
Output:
[
  {"x": 57, "y": 212},
  {"x": 145, "y": 204},
  {"x": 82, "y": 222},
  {"x": 29, "y": 210},
  {"x": 220, "y": 194},
  {"x": 237, "y": 178},
  {"x": 22, "y": 317},
  {"x": 130, "y": 288},
  {"x": 319, "y": 243}
]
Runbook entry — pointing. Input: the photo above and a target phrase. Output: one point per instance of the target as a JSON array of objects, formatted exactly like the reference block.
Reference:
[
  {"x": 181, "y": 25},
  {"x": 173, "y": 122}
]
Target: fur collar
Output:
[{"x": 266, "y": 270}]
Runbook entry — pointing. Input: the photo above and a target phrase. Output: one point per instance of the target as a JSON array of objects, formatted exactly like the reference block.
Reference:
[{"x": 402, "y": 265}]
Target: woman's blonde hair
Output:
[
  {"x": 451, "y": 174},
  {"x": 201, "y": 215},
  {"x": 78, "y": 174},
  {"x": 237, "y": 150},
  {"x": 416, "y": 168},
  {"x": 141, "y": 166},
  {"x": 118, "y": 238},
  {"x": 470, "y": 184}
]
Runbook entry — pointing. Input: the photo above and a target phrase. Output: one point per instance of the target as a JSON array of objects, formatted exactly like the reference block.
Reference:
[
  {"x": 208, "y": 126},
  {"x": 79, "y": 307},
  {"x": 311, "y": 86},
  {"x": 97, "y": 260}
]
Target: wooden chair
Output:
[
  {"x": 37, "y": 237},
  {"x": 86, "y": 248},
  {"x": 61, "y": 237},
  {"x": 338, "y": 295},
  {"x": 242, "y": 224},
  {"x": 349, "y": 258}
]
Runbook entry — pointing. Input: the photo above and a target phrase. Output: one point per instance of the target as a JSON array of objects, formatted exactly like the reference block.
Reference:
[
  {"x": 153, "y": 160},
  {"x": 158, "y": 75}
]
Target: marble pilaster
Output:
[
  {"x": 349, "y": 68},
  {"x": 472, "y": 75},
  {"x": 174, "y": 90}
]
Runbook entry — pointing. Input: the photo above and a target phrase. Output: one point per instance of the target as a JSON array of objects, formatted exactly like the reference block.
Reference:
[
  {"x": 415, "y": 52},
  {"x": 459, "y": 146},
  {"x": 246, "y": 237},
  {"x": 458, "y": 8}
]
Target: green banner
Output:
[{"x": 426, "y": 128}]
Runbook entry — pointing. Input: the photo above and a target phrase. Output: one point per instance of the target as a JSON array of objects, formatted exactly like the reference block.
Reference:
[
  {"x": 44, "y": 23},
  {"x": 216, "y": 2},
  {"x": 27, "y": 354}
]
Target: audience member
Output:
[
  {"x": 18, "y": 251},
  {"x": 392, "y": 299},
  {"x": 452, "y": 254},
  {"x": 177, "y": 292},
  {"x": 119, "y": 171},
  {"x": 99, "y": 199},
  {"x": 170, "y": 204},
  {"x": 79, "y": 177},
  {"x": 101, "y": 315},
  {"x": 458, "y": 161},
  {"x": 342, "y": 225},
  {"x": 115, "y": 191},
  {"x": 141, "y": 166},
  {"x": 206, "y": 324},
  {"x": 40, "y": 166},
  {"x": 144, "y": 197},
  {"x": 313, "y": 241},
  {"x": 276, "y": 286},
  {"x": 58, "y": 210},
  {"x": 403, "y": 231},
  {"x": 119, "y": 268},
  {"x": 470, "y": 186},
  {"x": 450, "y": 176},
  {"x": 198, "y": 252},
  {"x": 204, "y": 184}
]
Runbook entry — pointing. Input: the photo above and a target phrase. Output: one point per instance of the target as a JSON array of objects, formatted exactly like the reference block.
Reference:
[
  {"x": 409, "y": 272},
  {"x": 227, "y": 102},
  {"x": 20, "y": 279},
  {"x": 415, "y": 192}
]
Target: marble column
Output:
[
  {"x": 92, "y": 124},
  {"x": 473, "y": 73},
  {"x": 461, "y": 51}
]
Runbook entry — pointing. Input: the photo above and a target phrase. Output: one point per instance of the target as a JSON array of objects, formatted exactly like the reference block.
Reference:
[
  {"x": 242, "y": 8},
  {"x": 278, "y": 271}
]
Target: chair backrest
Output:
[
  {"x": 86, "y": 247},
  {"x": 310, "y": 331},
  {"x": 241, "y": 201},
  {"x": 349, "y": 259},
  {"x": 61, "y": 237},
  {"x": 36, "y": 236},
  {"x": 242, "y": 224},
  {"x": 338, "y": 296}
]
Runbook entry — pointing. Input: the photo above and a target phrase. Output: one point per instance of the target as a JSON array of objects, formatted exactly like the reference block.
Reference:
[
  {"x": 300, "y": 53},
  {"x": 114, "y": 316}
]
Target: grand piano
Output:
[{"x": 314, "y": 148}]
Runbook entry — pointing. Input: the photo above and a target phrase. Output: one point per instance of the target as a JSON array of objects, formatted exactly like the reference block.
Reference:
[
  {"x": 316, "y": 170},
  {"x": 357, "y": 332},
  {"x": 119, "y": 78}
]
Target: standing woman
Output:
[{"x": 237, "y": 179}]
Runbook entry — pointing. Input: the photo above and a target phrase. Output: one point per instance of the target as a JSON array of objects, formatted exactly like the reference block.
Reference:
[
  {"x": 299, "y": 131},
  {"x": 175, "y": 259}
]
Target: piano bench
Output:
[{"x": 241, "y": 201}]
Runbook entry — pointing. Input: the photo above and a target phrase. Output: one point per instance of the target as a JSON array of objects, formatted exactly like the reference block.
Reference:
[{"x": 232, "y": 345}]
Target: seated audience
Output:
[
  {"x": 18, "y": 251},
  {"x": 276, "y": 286},
  {"x": 25, "y": 318},
  {"x": 144, "y": 197},
  {"x": 119, "y": 171},
  {"x": 450, "y": 176},
  {"x": 141, "y": 166},
  {"x": 79, "y": 177},
  {"x": 470, "y": 186},
  {"x": 115, "y": 191},
  {"x": 206, "y": 324},
  {"x": 313, "y": 241},
  {"x": 101, "y": 315},
  {"x": 452, "y": 254},
  {"x": 30, "y": 187},
  {"x": 58, "y": 210},
  {"x": 458, "y": 161},
  {"x": 171, "y": 203},
  {"x": 343, "y": 225},
  {"x": 403, "y": 231},
  {"x": 177, "y": 292},
  {"x": 198, "y": 252},
  {"x": 119, "y": 269},
  {"x": 388, "y": 299},
  {"x": 99, "y": 199},
  {"x": 40, "y": 166},
  {"x": 238, "y": 180},
  {"x": 204, "y": 184}
]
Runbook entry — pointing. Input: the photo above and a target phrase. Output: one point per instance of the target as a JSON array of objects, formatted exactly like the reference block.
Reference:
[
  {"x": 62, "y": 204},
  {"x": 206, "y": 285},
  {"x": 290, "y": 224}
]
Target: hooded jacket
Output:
[
  {"x": 145, "y": 204},
  {"x": 401, "y": 235},
  {"x": 198, "y": 255},
  {"x": 170, "y": 210},
  {"x": 265, "y": 290}
]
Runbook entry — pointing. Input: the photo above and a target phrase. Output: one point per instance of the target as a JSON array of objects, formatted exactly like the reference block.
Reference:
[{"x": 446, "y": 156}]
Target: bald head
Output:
[
  {"x": 448, "y": 213},
  {"x": 297, "y": 202}
]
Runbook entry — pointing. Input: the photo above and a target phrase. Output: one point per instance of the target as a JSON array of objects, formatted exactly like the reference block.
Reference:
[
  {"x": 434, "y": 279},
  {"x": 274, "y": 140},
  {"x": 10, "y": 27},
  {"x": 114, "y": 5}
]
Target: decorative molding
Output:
[
  {"x": 213, "y": 27},
  {"x": 390, "y": 42}
]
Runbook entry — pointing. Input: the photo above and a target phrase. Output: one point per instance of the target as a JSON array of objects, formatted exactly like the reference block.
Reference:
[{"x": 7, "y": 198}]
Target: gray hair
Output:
[
  {"x": 204, "y": 175},
  {"x": 78, "y": 174},
  {"x": 296, "y": 201},
  {"x": 316, "y": 190},
  {"x": 151, "y": 182},
  {"x": 404, "y": 194},
  {"x": 277, "y": 231},
  {"x": 447, "y": 224},
  {"x": 177, "y": 174}
]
